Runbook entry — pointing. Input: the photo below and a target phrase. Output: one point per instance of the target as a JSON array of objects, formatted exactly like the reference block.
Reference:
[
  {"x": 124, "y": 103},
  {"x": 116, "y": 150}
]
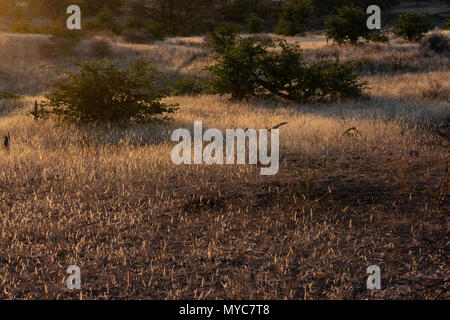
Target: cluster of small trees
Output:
[
  {"x": 349, "y": 24},
  {"x": 245, "y": 67},
  {"x": 144, "y": 20}
]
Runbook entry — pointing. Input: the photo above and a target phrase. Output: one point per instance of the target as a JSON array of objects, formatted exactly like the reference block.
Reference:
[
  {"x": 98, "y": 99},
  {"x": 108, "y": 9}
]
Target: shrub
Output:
[
  {"x": 246, "y": 68},
  {"x": 138, "y": 32},
  {"x": 378, "y": 36},
  {"x": 437, "y": 43},
  {"x": 294, "y": 17},
  {"x": 57, "y": 46},
  {"x": 189, "y": 86},
  {"x": 255, "y": 24},
  {"x": 446, "y": 26},
  {"x": 8, "y": 96},
  {"x": 434, "y": 91},
  {"x": 135, "y": 36},
  {"x": 58, "y": 29},
  {"x": 287, "y": 75},
  {"x": 93, "y": 7},
  {"x": 21, "y": 26},
  {"x": 100, "y": 48},
  {"x": 103, "y": 93},
  {"x": 349, "y": 25},
  {"x": 236, "y": 71},
  {"x": 105, "y": 20},
  {"x": 240, "y": 10},
  {"x": 222, "y": 37},
  {"x": 412, "y": 26},
  {"x": 9, "y": 102}
]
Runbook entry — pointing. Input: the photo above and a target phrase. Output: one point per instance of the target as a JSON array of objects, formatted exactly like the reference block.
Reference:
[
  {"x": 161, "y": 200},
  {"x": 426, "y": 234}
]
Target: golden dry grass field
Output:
[{"x": 139, "y": 227}]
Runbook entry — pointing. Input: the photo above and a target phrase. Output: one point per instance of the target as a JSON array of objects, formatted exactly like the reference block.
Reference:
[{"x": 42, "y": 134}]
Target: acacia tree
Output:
[
  {"x": 93, "y": 7},
  {"x": 181, "y": 17},
  {"x": 348, "y": 25},
  {"x": 324, "y": 7},
  {"x": 412, "y": 26},
  {"x": 101, "y": 92},
  {"x": 245, "y": 68},
  {"x": 294, "y": 17},
  {"x": 48, "y": 8}
]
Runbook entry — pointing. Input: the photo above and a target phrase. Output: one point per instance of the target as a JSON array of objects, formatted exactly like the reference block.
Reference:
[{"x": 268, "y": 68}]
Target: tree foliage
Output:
[
  {"x": 412, "y": 26},
  {"x": 102, "y": 92},
  {"x": 348, "y": 25},
  {"x": 294, "y": 17},
  {"x": 245, "y": 67}
]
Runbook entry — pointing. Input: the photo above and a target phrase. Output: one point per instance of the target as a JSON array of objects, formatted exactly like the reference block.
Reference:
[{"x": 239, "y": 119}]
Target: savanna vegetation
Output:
[{"x": 86, "y": 176}]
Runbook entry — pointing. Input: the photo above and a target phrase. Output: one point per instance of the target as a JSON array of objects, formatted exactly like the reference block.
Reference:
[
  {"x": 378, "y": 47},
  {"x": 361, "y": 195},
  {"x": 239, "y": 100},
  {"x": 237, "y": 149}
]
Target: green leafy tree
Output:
[
  {"x": 325, "y": 7},
  {"x": 245, "y": 67},
  {"x": 239, "y": 11},
  {"x": 294, "y": 17},
  {"x": 236, "y": 70},
  {"x": 47, "y": 8},
  {"x": 348, "y": 25},
  {"x": 104, "y": 20},
  {"x": 255, "y": 24},
  {"x": 412, "y": 26},
  {"x": 446, "y": 25},
  {"x": 93, "y": 7},
  {"x": 287, "y": 75},
  {"x": 104, "y": 93},
  {"x": 181, "y": 17},
  {"x": 222, "y": 38},
  {"x": 437, "y": 43}
]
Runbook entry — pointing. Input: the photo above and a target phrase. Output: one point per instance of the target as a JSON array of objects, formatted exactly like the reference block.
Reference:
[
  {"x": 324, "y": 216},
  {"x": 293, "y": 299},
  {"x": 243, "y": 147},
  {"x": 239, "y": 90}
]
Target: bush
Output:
[
  {"x": 103, "y": 93},
  {"x": 378, "y": 36},
  {"x": 58, "y": 29},
  {"x": 57, "y": 46},
  {"x": 294, "y": 17},
  {"x": 287, "y": 75},
  {"x": 237, "y": 71},
  {"x": 137, "y": 31},
  {"x": 21, "y": 27},
  {"x": 222, "y": 38},
  {"x": 434, "y": 92},
  {"x": 190, "y": 86},
  {"x": 446, "y": 26},
  {"x": 93, "y": 7},
  {"x": 8, "y": 96},
  {"x": 105, "y": 20},
  {"x": 349, "y": 25},
  {"x": 241, "y": 10},
  {"x": 246, "y": 68},
  {"x": 255, "y": 24},
  {"x": 100, "y": 48},
  {"x": 412, "y": 26},
  {"x": 437, "y": 43},
  {"x": 136, "y": 36}
]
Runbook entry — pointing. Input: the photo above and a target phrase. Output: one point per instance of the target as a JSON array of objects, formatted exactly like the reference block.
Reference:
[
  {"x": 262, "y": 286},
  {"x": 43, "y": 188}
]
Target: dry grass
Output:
[{"x": 139, "y": 227}]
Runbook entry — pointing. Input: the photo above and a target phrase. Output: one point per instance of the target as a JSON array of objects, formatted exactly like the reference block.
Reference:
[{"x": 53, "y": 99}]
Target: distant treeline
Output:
[{"x": 164, "y": 18}]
